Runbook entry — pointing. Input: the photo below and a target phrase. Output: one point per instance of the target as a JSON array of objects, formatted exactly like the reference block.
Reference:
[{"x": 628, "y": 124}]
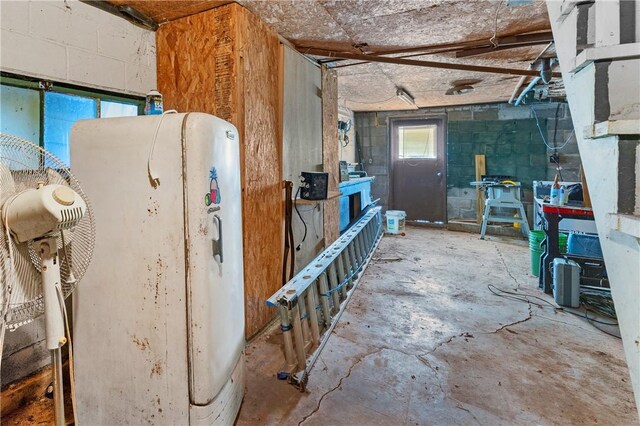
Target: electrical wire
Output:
[
  {"x": 153, "y": 176},
  {"x": 544, "y": 140},
  {"x": 520, "y": 297},
  {"x": 72, "y": 379},
  {"x": 492, "y": 40},
  {"x": 592, "y": 300},
  {"x": 295, "y": 206}
]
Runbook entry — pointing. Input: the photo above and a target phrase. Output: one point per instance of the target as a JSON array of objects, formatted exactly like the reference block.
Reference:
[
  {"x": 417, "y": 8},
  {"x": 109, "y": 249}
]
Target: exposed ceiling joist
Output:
[
  {"x": 465, "y": 53},
  {"x": 424, "y": 64},
  {"x": 541, "y": 37}
]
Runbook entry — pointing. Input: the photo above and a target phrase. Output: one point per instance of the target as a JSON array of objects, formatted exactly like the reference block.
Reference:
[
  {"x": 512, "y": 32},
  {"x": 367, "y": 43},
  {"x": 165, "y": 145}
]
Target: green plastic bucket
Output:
[{"x": 536, "y": 238}]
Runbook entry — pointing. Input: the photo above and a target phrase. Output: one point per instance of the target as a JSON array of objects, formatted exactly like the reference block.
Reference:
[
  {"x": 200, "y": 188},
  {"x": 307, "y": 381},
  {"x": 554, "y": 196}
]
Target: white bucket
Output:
[{"x": 395, "y": 221}]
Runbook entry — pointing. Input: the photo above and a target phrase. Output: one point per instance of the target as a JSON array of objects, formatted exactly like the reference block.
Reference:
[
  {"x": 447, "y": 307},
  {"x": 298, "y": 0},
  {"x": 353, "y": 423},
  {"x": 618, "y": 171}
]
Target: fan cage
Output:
[{"x": 23, "y": 165}]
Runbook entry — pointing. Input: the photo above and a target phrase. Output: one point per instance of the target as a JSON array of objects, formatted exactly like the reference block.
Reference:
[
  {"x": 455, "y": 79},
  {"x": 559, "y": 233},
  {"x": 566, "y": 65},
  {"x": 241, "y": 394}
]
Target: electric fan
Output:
[{"x": 46, "y": 244}]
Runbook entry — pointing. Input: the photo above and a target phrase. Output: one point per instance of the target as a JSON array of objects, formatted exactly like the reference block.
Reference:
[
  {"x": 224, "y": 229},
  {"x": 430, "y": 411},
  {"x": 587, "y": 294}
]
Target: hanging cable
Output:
[
  {"x": 544, "y": 140},
  {"x": 153, "y": 176},
  {"x": 295, "y": 205},
  {"x": 492, "y": 40},
  {"x": 72, "y": 379},
  {"x": 591, "y": 302}
]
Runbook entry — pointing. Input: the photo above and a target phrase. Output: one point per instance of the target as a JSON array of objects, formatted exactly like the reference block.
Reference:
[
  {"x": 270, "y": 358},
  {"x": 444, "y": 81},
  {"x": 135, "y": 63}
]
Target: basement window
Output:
[
  {"x": 417, "y": 142},
  {"x": 43, "y": 113}
]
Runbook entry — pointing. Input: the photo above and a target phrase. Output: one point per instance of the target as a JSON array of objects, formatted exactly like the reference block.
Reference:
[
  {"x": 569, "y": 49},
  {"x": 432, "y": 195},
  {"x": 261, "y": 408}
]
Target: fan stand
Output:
[{"x": 54, "y": 322}]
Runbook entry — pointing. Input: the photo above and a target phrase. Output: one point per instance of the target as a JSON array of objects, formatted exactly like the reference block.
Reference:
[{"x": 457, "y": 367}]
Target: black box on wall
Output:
[{"x": 314, "y": 185}]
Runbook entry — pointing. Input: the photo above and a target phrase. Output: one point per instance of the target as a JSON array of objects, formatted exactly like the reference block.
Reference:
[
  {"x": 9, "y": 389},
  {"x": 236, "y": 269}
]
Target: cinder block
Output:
[
  {"x": 379, "y": 132},
  {"x": 92, "y": 68},
  {"x": 135, "y": 45},
  {"x": 14, "y": 16},
  {"x": 467, "y": 148},
  {"x": 27, "y": 55},
  {"x": 380, "y": 150},
  {"x": 378, "y": 140},
  {"x": 538, "y": 161},
  {"x": 469, "y": 193},
  {"x": 504, "y": 168},
  {"x": 510, "y": 112},
  {"x": 140, "y": 79},
  {"x": 373, "y": 170},
  {"x": 452, "y": 213},
  {"x": 25, "y": 362},
  {"x": 520, "y": 148},
  {"x": 564, "y": 124},
  {"x": 504, "y": 149},
  {"x": 459, "y": 115},
  {"x": 471, "y": 126},
  {"x": 485, "y": 137},
  {"x": 361, "y": 119},
  {"x": 68, "y": 25},
  {"x": 467, "y": 213},
  {"x": 488, "y": 114}
]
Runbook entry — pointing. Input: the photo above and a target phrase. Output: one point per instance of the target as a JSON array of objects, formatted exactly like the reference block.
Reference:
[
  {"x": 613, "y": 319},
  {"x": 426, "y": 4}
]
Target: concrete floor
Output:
[{"x": 424, "y": 342}]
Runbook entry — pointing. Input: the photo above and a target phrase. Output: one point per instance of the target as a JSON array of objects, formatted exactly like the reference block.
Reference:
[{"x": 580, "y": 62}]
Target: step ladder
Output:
[
  {"x": 505, "y": 197},
  {"x": 311, "y": 303}
]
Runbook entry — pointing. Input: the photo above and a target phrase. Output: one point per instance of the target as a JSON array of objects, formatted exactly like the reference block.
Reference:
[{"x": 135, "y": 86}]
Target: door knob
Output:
[{"x": 439, "y": 174}]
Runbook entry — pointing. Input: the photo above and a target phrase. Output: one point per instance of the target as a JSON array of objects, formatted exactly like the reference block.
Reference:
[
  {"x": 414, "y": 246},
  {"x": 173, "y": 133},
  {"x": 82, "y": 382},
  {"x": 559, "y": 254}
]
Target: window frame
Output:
[
  {"x": 416, "y": 126},
  {"x": 43, "y": 86}
]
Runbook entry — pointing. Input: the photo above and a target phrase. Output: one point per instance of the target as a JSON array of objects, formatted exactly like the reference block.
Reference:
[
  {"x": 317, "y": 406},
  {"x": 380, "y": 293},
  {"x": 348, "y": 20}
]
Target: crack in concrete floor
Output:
[{"x": 358, "y": 361}]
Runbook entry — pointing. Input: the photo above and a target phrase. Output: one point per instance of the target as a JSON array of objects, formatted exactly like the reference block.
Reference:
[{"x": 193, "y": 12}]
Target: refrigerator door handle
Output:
[{"x": 216, "y": 245}]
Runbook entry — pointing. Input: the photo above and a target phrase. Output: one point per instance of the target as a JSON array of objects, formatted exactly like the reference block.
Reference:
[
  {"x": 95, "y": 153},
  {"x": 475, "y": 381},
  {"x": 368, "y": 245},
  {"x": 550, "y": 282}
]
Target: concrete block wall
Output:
[
  {"x": 72, "y": 42},
  {"x": 508, "y": 136},
  {"x": 68, "y": 42},
  {"x": 348, "y": 152}
]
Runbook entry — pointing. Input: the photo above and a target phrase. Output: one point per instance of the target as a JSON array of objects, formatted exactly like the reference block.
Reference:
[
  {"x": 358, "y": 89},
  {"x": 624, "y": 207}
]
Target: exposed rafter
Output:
[{"x": 424, "y": 64}]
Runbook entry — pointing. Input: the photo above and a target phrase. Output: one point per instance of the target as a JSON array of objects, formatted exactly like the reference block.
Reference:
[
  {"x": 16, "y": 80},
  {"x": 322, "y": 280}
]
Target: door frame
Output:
[{"x": 441, "y": 120}]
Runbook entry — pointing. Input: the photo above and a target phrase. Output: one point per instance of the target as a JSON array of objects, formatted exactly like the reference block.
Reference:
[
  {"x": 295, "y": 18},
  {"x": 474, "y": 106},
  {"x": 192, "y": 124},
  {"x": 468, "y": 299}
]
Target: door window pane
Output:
[
  {"x": 109, "y": 109},
  {"x": 417, "y": 142},
  {"x": 20, "y": 114},
  {"x": 60, "y": 113}
]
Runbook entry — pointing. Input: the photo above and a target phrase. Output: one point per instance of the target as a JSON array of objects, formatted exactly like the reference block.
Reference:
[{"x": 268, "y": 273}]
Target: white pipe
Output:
[
  {"x": 529, "y": 87},
  {"x": 524, "y": 77}
]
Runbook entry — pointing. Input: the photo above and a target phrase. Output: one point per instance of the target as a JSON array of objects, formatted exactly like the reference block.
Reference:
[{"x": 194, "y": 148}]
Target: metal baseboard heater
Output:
[{"x": 311, "y": 303}]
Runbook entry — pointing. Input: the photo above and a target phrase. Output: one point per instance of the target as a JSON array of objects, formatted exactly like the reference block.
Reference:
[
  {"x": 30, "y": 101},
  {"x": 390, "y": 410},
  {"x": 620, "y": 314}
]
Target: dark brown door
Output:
[{"x": 418, "y": 169}]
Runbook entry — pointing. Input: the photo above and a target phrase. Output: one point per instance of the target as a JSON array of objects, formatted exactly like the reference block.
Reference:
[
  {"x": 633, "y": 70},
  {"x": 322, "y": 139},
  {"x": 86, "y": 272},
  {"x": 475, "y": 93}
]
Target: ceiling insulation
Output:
[{"x": 365, "y": 26}]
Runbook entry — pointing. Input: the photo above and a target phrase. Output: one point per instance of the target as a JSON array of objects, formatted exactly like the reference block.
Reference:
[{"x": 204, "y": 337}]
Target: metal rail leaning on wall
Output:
[{"x": 311, "y": 303}]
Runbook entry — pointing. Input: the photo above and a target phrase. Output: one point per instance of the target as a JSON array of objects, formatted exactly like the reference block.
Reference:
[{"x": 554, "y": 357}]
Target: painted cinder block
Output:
[
  {"x": 52, "y": 40},
  {"x": 92, "y": 68},
  {"x": 64, "y": 23},
  {"x": 44, "y": 58},
  {"x": 14, "y": 16}
]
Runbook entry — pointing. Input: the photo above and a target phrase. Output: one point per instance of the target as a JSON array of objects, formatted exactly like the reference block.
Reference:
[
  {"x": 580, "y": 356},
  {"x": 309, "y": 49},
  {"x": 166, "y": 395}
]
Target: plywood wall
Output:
[
  {"x": 262, "y": 184},
  {"x": 225, "y": 62},
  {"x": 330, "y": 151}
]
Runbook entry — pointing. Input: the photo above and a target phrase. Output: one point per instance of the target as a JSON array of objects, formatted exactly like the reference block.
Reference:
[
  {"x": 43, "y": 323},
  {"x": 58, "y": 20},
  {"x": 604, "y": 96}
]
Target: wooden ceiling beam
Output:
[
  {"x": 542, "y": 37},
  {"x": 465, "y": 53},
  {"x": 424, "y": 64},
  {"x": 528, "y": 39}
]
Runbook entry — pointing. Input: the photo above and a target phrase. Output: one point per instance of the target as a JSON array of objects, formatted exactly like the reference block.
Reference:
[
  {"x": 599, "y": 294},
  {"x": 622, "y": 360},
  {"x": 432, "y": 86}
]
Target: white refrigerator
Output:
[{"x": 158, "y": 319}]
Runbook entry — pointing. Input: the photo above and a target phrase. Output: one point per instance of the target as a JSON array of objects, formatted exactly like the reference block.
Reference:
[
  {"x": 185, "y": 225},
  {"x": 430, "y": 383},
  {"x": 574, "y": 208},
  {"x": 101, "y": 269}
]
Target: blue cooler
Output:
[{"x": 587, "y": 245}]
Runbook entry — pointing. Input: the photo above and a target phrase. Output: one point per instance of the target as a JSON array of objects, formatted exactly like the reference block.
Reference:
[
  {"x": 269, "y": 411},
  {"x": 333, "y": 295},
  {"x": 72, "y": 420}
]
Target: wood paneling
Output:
[
  {"x": 330, "y": 151},
  {"x": 225, "y": 62}
]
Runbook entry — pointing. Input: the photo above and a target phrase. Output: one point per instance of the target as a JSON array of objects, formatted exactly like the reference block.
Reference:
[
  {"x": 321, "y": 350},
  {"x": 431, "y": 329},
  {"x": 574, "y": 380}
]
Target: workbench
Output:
[
  {"x": 551, "y": 217},
  {"x": 354, "y": 199}
]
